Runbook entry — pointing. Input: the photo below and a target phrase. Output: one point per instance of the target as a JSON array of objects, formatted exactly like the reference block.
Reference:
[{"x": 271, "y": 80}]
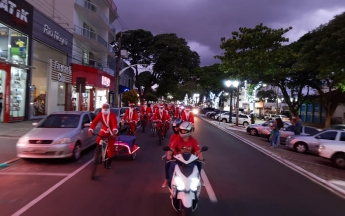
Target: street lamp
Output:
[{"x": 231, "y": 85}]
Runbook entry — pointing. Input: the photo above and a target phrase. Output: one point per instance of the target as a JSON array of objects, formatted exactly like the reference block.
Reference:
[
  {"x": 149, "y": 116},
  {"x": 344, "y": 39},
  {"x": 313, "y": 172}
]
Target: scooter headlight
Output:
[
  {"x": 179, "y": 183},
  {"x": 194, "y": 184}
]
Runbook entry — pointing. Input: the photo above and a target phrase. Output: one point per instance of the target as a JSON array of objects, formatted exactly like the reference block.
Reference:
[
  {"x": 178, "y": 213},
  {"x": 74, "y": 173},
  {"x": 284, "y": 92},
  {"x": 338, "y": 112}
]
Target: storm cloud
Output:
[{"x": 203, "y": 22}]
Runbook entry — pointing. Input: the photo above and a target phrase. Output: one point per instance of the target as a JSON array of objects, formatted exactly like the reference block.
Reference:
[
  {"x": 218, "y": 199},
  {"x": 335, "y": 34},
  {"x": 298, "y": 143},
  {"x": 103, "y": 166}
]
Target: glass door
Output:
[
  {"x": 18, "y": 92},
  {"x": 2, "y": 94}
]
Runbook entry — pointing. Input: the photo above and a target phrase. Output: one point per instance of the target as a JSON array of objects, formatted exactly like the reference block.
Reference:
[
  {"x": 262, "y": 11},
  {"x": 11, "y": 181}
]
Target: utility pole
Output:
[{"x": 117, "y": 101}]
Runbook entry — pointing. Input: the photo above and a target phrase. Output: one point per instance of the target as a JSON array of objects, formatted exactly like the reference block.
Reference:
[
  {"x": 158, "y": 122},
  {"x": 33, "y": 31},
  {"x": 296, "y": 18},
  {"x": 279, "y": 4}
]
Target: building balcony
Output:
[
  {"x": 92, "y": 14},
  {"x": 94, "y": 40}
]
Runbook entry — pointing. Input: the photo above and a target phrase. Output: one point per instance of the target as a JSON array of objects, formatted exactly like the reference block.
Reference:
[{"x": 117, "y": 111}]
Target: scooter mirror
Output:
[
  {"x": 204, "y": 148},
  {"x": 166, "y": 148}
]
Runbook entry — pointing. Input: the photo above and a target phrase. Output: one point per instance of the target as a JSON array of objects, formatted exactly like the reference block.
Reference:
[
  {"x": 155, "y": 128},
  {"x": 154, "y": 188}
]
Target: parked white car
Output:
[
  {"x": 242, "y": 119},
  {"x": 334, "y": 148}
]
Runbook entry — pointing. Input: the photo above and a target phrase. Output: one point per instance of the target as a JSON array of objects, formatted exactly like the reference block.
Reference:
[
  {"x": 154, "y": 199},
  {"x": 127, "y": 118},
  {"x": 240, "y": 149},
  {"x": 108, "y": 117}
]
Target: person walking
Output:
[
  {"x": 298, "y": 125},
  {"x": 277, "y": 124}
]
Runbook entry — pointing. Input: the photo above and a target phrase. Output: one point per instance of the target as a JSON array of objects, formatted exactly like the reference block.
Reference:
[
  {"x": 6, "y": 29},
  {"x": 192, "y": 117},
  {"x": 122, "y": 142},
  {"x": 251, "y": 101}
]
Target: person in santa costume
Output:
[
  {"x": 187, "y": 115},
  {"x": 109, "y": 130},
  {"x": 161, "y": 118},
  {"x": 131, "y": 116},
  {"x": 145, "y": 112}
]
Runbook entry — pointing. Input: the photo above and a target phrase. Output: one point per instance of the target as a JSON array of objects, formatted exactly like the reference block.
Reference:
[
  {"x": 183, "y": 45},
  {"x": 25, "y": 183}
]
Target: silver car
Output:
[
  {"x": 288, "y": 131},
  {"x": 255, "y": 129},
  {"x": 303, "y": 144},
  {"x": 59, "y": 135}
]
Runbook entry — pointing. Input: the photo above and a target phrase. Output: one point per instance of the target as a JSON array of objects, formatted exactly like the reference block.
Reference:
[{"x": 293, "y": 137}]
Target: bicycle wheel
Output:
[
  {"x": 96, "y": 161},
  {"x": 143, "y": 123},
  {"x": 105, "y": 154},
  {"x": 160, "y": 135}
]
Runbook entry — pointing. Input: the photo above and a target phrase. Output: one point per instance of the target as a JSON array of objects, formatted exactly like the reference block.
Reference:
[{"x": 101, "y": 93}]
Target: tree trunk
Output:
[{"x": 328, "y": 119}]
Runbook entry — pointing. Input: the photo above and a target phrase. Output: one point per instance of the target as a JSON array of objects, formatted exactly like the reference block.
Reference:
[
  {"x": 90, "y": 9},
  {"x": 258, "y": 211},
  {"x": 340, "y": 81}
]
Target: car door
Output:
[
  {"x": 326, "y": 137},
  {"x": 285, "y": 132},
  {"x": 85, "y": 139}
]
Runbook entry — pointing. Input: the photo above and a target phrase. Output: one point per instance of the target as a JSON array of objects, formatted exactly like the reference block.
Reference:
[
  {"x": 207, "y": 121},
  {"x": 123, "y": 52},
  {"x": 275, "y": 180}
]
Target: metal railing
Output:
[
  {"x": 95, "y": 8},
  {"x": 93, "y": 35}
]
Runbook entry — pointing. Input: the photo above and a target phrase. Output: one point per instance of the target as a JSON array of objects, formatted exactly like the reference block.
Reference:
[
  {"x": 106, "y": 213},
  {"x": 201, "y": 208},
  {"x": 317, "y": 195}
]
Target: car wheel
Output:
[
  {"x": 301, "y": 147},
  {"x": 339, "y": 160},
  {"x": 224, "y": 120},
  {"x": 253, "y": 132},
  {"x": 245, "y": 124},
  {"x": 76, "y": 152}
]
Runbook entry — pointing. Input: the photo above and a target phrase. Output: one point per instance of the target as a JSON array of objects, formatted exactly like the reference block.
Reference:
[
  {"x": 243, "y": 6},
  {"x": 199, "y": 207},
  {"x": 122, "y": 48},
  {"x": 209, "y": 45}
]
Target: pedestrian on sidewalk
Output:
[
  {"x": 297, "y": 125},
  {"x": 277, "y": 124}
]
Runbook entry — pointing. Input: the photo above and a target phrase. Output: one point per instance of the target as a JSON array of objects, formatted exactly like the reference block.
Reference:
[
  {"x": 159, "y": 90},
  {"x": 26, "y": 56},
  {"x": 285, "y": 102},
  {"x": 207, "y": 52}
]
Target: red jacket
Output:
[
  {"x": 178, "y": 113},
  {"x": 146, "y": 111},
  {"x": 186, "y": 117},
  {"x": 127, "y": 117},
  {"x": 158, "y": 116},
  {"x": 167, "y": 114},
  {"x": 107, "y": 123}
]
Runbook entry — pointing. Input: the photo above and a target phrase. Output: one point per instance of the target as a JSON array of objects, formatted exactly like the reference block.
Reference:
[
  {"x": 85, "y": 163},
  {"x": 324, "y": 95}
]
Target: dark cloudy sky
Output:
[{"x": 203, "y": 22}]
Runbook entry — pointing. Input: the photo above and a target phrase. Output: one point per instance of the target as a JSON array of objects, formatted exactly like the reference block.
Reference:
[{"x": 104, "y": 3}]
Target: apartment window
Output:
[
  {"x": 92, "y": 60},
  {"x": 90, "y": 6},
  {"x": 85, "y": 57}
]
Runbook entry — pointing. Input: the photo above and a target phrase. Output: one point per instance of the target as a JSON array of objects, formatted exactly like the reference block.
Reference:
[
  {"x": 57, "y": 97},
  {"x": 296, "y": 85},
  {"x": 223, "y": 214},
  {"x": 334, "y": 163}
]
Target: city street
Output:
[{"x": 244, "y": 180}]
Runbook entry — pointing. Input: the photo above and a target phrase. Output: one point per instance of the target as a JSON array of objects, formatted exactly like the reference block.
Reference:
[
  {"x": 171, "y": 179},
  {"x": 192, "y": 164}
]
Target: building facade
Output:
[{"x": 16, "y": 22}]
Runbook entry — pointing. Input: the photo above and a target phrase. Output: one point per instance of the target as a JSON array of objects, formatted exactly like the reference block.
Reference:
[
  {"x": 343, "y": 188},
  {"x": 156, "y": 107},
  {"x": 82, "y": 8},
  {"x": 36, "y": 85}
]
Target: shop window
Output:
[
  {"x": 18, "y": 92},
  {"x": 2, "y": 93},
  {"x": 85, "y": 101},
  {"x": 61, "y": 99},
  {"x": 101, "y": 97},
  {"x": 38, "y": 89},
  {"x": 13, "y": 45}
]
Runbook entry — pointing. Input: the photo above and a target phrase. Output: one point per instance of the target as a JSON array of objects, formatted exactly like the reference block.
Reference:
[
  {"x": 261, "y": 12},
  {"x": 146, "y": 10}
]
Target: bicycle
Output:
[
  {"x": 144, "y": 122},
  {"x": 100, "y": 155},
  {"x": 153, "y": 128},
  {"x": 129, "y": 129},
  {"x": 159, "y": 131}
]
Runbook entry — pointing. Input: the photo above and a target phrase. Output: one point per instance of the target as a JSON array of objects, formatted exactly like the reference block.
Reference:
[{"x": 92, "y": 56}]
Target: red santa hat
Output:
[{"x": 131, "y": 104}]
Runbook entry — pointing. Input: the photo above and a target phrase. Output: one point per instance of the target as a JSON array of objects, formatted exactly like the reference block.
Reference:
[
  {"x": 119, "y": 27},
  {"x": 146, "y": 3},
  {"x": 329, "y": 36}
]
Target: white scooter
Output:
[{"x": 185, "y": 185}]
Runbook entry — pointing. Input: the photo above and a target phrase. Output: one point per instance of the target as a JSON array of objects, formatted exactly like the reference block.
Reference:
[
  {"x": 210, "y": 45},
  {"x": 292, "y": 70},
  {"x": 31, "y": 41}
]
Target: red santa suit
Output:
[
  {"x": 168, "y": 118},
  {"x": 178, "y": 112},
  {"x": 187, "y": 116},
  {"x": 161, "y": 115},
  {"x": 109, "y": 127},
  {"x": 145, "y": 111},
  {"x": 131, "y": 116}
]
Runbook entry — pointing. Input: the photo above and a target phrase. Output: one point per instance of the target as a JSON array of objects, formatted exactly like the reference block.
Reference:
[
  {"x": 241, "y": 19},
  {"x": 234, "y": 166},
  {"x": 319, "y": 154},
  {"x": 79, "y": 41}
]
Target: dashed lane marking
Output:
[{"x": 50, "y": 190}]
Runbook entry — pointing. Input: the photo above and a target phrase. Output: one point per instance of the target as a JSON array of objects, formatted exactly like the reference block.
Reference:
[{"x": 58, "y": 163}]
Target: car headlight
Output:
[
  {"x": 179, "y": 183},
  {"x": 63, "y": 141},
  {"x": 195, "y": 111},
  {"x": 194, "y": 184},
  {"x": 23, "y": 140}
]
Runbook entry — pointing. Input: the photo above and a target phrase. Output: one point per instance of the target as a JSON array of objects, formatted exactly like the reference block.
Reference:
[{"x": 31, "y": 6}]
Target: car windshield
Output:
[
  {"x": 60, "y": 121},
  {"x": 116, "y": 111}
]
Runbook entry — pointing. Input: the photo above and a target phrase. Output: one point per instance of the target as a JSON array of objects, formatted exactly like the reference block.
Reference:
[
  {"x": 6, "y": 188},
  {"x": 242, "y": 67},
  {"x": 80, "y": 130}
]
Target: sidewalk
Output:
[
  {"x": 311, "y": 165},
  {"x": 16, "y": 129}
]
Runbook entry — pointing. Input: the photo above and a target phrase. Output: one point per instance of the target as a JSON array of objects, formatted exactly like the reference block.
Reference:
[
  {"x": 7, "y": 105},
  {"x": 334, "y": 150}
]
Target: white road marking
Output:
[
  {"x": 208, "y": 187},
  {"x": 34, "y": 173},
  {"x": 50, "y": 190}
]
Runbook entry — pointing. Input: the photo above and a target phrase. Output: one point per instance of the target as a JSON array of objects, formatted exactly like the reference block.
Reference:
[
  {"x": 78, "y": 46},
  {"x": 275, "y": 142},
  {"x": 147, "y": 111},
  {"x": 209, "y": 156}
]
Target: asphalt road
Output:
[{"x": 245, "y": 182}]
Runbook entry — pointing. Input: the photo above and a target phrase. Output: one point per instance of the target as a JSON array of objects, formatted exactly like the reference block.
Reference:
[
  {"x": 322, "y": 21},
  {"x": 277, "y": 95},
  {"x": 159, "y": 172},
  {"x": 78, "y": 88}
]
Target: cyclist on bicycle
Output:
[
  {"x": 184, "y": 143},
  {"x": 131, "y": 116},
  {"x": 168, "y": 119},
  {"x": 145, "y": 113},
  {"x": 187, "y": 115},
  {"x": 109, "y": 129},
  {"x": 160, "y": 117}
]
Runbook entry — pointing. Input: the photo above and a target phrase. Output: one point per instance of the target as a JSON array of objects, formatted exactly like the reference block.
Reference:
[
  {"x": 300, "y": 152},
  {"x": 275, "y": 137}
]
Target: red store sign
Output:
[{"x": 94, "y": 77}]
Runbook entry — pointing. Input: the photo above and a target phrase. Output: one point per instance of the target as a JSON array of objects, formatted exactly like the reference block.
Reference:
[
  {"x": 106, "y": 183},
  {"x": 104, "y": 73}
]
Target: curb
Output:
[
  {"x": 327, "y": 184},
  {"x": 7, "y": 163}
]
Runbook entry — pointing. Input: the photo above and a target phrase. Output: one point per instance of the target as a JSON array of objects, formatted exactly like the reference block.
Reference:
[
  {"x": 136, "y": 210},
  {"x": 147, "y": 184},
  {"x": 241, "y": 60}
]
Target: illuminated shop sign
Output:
[
  {"x": 60, "y": 72},
  {"x": 18, "y": 13},
  {"x": 105, "y": 81}
]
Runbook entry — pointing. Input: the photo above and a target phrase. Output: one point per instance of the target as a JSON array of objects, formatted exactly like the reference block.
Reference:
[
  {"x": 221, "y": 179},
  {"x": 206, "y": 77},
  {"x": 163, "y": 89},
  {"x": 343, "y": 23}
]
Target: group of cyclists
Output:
[{"x": 180, "y": 141}]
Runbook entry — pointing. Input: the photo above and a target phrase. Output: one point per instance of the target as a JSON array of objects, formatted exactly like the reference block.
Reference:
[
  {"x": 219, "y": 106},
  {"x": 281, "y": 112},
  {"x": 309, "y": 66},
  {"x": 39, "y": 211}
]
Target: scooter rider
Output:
[
  {"x": 184, "y": 143},
  {"x": 131, "y": 116},
  {"x": 109, "y": 129},
  {"x": 176, "y": 124}
]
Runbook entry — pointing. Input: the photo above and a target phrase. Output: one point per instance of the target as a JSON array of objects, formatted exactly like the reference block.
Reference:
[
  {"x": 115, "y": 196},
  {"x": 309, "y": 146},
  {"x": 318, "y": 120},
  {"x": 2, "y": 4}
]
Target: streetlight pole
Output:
[
  {"x": 230, "y": 114},
  {"x": 117, "y": 76},
  {"x": 231, "y": 84}
]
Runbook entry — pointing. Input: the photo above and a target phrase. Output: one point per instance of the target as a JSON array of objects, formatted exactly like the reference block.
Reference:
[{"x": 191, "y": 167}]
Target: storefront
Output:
[
  {"x": 98, "y": 86},
  {"x": 51, "y": 77},
  {"x": 15, "y": 46}
]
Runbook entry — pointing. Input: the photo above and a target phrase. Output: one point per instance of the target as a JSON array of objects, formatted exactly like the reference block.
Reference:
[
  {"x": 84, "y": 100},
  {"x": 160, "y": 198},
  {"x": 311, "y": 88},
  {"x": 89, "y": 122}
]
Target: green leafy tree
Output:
[
  {"x": 150, "y": 97},
  {"x": 257, "y": 54},
  {"x": 323, "y": 53},
  {"x": 130, "y": 96}
]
